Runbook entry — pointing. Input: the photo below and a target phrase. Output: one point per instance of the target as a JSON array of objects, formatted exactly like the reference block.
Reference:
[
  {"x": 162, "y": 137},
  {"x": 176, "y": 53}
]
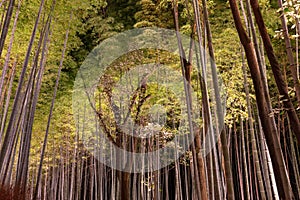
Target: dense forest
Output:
[{"x": 149, "y": 99}]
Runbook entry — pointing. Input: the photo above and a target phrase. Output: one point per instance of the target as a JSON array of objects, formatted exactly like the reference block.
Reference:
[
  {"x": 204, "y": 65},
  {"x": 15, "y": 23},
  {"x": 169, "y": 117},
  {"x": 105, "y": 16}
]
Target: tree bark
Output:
[
  {"x": 186, "y": 71},
  {"x": 269, "y": 128},
  {"x": 6, "y": 24},
  {"x": 288, "y": 45},
  {"x": 280, "y": 81},
  {"x": 220, "y": 114}
]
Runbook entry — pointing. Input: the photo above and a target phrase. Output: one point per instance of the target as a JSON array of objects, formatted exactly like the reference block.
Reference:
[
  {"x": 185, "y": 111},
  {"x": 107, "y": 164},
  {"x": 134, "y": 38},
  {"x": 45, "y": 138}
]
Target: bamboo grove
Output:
[{"x": 250, "y": 57}]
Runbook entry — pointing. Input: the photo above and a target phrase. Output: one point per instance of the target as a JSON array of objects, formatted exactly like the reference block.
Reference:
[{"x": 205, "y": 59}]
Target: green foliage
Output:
[
  {"x": 228, "y": 60},
  {"x": 93, "y": 21}
]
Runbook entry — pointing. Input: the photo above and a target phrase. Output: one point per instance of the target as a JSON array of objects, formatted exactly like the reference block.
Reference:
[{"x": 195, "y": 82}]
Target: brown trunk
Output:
[
  {"x": 280, "y": 81},
  {"x": 268, "y": 124},
  {"x": 187, "y": 69},
  {"x": 288, "y": 45},
  {"x": 124, "y": 185}
]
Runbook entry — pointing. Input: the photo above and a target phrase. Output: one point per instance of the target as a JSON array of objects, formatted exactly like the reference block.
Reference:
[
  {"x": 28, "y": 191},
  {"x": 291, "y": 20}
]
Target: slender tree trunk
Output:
[
  {"x": 294, "y": 162},
  {"x": 269, "y": 128},
  {"x": 281, "y": 84},
  {"x": 253, "y": 140},
  {"x": 245, "y": 167},
  {"x": 51, "y": 112},
  {"x": 7, "y": 58},
  {"x": 9, "y": 133},
  {"x": 6, "y": 24},
  {"x": 186, "y": 71},
  {"x": 264, "y": 161},
  {"x": 288, "y": 45},
  {"x": 259, "y": 52},
  {"x": 24, "y": 164},
  {"x": 272, "y": 175}
]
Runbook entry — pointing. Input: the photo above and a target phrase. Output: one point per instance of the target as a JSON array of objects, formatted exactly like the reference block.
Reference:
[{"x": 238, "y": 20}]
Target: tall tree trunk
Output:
[
  {"x": 269, "y": 127},
  {"x": 9, "y": 132},
  {"x": 245, "y": 167},
  {"x": 6, "y": 24},
  {"x": 7, "y": 58},
  {"x": 220, "y": 117},
  {"x": 186, "y": 71},
  {"x": 288, "y": 45},
  {"x": 259, "y": 52},
  {"x": 281, "y": 84},
  {"x": 23, "y": 162},
  {"x": 50, "y": 113},
  {"x": 253, "y": 139},
  {"x": 264, "y": 161}
]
